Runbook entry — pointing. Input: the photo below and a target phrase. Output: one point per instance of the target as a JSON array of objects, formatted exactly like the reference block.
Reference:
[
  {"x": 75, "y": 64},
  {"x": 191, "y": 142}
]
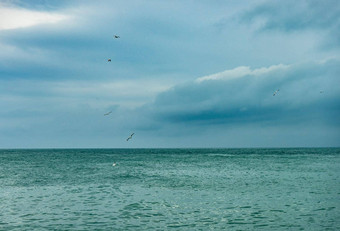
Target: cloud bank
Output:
[{"x": 244, "y": 95}]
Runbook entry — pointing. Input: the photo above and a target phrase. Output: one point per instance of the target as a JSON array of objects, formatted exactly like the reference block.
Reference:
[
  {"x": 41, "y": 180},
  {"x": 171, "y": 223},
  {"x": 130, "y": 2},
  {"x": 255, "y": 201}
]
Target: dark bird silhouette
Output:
[
  {"x": 130, "y": 137},
  {"x": 109, "y": 60},
  {"x": 116, "y": 36},
  {"x": 108, "y": 113},
  {"x": 276, "y": 92}
]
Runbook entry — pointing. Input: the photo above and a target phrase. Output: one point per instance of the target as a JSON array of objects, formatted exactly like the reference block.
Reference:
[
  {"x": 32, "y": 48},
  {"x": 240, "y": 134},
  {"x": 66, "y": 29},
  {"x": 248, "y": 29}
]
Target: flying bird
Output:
[
  {"x": 276, "y": 92},
  {"x": 130, "y": 137},
  {"x": 109, "y": 60},
  {"x": 114, "y": 164},
  {"x": 108, "y": 113},
  {"x": 116, "y": 36}
]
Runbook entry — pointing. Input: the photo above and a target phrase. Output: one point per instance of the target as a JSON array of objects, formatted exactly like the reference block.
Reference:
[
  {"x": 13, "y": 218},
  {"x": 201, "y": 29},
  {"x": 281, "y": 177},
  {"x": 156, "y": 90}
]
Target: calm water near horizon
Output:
[{"x": 165, "y": 189}]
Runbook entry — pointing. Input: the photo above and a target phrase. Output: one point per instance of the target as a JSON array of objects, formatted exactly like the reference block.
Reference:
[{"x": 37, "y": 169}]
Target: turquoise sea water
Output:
[{"x": 170, "y": 189}]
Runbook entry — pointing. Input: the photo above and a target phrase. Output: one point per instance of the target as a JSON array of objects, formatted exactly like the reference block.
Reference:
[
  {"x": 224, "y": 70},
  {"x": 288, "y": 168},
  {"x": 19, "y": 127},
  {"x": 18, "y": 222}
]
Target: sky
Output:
[{"x": 183, "y": 74}]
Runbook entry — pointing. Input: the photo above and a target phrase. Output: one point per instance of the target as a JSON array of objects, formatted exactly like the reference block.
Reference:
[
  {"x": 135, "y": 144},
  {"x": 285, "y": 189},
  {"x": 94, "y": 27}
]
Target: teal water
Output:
[{"x": 165, "y": 189}]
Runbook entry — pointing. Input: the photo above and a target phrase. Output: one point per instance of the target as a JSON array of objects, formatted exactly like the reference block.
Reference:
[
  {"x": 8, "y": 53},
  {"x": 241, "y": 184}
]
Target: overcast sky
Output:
[{"x": 183, "y": 73}]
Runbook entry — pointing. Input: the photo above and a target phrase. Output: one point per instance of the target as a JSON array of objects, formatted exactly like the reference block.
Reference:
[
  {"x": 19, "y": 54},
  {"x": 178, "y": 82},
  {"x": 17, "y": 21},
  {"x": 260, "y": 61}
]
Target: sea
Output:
[{"x": 170, "y": 189}]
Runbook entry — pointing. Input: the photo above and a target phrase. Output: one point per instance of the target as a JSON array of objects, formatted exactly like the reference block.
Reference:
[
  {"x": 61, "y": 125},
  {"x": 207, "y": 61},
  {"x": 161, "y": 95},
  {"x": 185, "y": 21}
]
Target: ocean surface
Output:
[{"x": 170, "y": 189}]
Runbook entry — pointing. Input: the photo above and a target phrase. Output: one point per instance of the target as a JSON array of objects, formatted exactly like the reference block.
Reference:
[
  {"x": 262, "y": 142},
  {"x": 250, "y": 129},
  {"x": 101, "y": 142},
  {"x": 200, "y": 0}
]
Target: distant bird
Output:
[
  {"x": 109, "y": 60},
  {"x": 276, "y": 92},
  {"x": 321, "y": 92},
  {"x": 108, "y": 113},
  {"x": 116, "y": 36},
  {"x": 114, "y": 164},
  {"x": 130, "y": 137}
]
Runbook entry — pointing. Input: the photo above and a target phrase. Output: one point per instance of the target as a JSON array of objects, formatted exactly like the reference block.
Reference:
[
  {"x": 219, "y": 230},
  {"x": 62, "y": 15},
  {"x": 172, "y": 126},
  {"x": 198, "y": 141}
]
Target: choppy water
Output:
[{"x": 163, "y": 189}]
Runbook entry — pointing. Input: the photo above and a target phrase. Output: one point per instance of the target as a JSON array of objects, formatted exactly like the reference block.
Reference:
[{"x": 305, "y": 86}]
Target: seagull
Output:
[
  {"x": 116, "y": 36},
  {"x": 109, "y": 60},
  {"x": 114, "y": 164},
  {"x": 276, "y": 92},
  {"x": 108, "y": 113},
  {"x": 130, "y": 137}
]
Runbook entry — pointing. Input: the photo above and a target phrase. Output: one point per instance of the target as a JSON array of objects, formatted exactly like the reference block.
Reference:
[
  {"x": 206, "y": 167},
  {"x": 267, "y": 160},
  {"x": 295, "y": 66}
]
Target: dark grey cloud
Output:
[
  {"x": 247, "y": 97},
  {"x": 298, "y": 16}
]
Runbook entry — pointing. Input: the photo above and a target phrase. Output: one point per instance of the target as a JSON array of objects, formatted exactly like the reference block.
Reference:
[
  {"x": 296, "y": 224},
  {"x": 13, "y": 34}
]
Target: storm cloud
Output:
[
  {"x": 244, "y": 95},
  {"x": 296, "y": 16}
]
